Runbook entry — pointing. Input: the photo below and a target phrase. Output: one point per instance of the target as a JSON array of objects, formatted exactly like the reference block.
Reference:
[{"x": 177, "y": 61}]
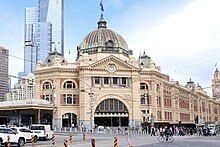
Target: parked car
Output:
[
  {"x": 15, "y": 138},
  {"x": 42, "y": 131},
  {"x": 26, "y": 132},
  {"x": 2, "y": 126}
]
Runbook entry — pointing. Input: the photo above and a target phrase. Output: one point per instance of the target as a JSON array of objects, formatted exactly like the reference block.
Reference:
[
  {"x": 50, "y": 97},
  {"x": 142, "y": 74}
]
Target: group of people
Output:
[{"x": 178, "y": 131}]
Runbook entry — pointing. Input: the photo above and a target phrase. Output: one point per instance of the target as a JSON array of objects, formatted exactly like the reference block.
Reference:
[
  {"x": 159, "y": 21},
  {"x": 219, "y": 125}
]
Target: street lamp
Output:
[
  {"x": 53, "y": 99},
  {"x": 146, "y": 101},
  {"x": 90, "y": 102}
]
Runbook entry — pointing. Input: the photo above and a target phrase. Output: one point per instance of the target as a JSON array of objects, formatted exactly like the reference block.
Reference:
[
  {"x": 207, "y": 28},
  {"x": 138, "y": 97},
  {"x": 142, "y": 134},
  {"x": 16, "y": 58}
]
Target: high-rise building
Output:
[
  {"x": 43, "y": 27},
  {"x": 31, "y": 16},
  {"x": 3, "y": 72},
  {"x": 51, "y": 11},
  {"x": 22, "y": 90}
]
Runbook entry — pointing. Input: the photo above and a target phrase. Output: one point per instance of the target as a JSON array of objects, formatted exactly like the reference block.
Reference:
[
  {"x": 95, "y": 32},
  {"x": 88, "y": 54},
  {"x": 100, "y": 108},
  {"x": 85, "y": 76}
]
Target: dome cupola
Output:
[
  {"x": 103, "y": 40},
  {"x": 54, "y": 55}
]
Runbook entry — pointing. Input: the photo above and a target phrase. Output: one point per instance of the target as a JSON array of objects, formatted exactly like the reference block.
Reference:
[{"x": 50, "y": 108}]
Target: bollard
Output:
[
  {"x": 32, "y": 140},
  {"x": 93, "y": 142},
  {"x": 9, "y": 144},
  {"x": 53, "y": 139},
  {"x": 115, "y": 142},
  {"x": 65, "y": 143},
  {"x": 84, "y": 137},
  {"x": 71, "y": 141}
]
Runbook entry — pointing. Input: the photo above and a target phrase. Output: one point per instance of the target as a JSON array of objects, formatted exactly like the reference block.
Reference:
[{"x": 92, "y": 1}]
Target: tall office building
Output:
[
  {"x": 51, "y": 11},
  {"x": 43, "y": 28},
  {"x": 23, "y": 89},
  {"x": 3, "y": 72},
  {"x": 30, "y": 46}
]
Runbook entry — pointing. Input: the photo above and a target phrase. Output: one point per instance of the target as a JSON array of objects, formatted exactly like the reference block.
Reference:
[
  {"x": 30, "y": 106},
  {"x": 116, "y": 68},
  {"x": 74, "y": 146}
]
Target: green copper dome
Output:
[{"x": 103, "y": 38}]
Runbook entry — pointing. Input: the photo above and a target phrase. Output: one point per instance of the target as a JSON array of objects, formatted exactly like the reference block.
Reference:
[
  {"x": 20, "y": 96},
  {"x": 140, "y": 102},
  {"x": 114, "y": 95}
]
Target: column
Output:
[{"x": 38, "y": 116}]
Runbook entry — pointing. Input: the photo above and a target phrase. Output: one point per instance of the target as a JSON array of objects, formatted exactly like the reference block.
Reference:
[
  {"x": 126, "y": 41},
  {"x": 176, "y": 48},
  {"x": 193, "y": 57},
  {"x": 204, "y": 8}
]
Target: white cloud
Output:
[{"x": 188, "y": 36}]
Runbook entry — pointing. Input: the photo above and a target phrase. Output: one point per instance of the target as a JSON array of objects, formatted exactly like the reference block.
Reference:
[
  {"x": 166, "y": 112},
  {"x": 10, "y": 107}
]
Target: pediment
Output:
[{"x": 111, "y": 60}]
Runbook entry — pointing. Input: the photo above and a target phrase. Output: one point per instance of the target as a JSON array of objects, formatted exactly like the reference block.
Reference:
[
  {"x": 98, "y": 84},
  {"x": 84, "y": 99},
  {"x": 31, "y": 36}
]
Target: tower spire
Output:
[
  {"x": 101, "y": 7},
  {"x": 102, "y": 23}
]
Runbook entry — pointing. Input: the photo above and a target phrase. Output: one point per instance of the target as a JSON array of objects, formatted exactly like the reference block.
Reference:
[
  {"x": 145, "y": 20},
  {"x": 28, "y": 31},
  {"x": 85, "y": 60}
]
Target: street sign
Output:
[{"x": 88, "y": 112}]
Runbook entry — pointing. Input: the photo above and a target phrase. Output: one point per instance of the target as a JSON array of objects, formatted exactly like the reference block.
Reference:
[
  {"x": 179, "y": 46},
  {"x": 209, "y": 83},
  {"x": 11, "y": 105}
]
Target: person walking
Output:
[{"x": 153, "y": 131}]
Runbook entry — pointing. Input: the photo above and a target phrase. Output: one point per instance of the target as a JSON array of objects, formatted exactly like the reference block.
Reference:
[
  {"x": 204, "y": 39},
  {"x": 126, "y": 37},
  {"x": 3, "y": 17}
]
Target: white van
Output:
[{"x": 42, "y": 131}]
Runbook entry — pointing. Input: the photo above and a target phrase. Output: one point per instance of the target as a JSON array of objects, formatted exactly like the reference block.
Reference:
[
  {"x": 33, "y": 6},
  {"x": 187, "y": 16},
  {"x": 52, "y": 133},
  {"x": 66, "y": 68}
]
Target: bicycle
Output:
[{"x": 168, "y": 138}]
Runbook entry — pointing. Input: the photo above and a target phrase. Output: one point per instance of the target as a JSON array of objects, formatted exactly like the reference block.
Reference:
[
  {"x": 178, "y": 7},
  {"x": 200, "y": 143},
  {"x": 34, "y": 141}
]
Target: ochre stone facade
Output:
[{"x": 121, "y": 90}]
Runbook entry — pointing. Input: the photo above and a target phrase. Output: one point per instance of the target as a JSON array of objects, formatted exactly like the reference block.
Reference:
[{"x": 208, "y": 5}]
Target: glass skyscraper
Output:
[
  {"x": 31, "y": 16},
  {"x": 43, "y": 31}
]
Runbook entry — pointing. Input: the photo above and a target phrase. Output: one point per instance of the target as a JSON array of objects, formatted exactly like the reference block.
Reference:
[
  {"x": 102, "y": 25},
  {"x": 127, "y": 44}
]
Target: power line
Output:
[
  {"x": 19, "y": 58},
  {"x": 186, "y": 67}
]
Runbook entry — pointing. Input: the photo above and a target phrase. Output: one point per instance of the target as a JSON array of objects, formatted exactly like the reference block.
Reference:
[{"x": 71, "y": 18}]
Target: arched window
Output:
[
  {"x": 111, "y": 105},
  {"x": 143, "y": 86},
  {"x": 47, "y": 85},
  {"x": 142, "y": 100},
  {"x": 69, "y": 99},
  {"x": 109, "y": 44},
  {"x": 69, "y": 85}
]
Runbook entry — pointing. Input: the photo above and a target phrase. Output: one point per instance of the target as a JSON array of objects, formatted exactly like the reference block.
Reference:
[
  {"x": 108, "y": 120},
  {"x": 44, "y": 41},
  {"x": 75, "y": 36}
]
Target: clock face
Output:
[
  {"x": 217, "y": 91},
  {"x": 111, "y": 68}
]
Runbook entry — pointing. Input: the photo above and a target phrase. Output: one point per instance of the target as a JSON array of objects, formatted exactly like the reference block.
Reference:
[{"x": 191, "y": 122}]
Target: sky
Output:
[{"x": 180, "y": 36}]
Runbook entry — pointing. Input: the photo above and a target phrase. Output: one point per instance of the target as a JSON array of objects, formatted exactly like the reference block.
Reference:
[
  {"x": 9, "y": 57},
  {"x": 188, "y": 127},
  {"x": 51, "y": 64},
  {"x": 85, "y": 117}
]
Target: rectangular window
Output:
[
  {"x": 123, "y": 81},
  {"x": 115, "y": 80},
  {"x": 64, "y": 99},
  {"x": 106, "y": 80},
  {"x": 74, "y": 99},
  {"x": 97, "y": 80}
]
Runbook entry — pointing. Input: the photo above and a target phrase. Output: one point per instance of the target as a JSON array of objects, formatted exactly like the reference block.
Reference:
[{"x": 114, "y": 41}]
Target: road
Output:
[{"x": 107, "y": 140}]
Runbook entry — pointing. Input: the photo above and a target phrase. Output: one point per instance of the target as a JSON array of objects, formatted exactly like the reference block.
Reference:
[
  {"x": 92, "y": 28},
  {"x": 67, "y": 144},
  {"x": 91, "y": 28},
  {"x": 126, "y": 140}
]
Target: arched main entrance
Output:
[
  {"x": 68, "y": 119},
  {"x": 111, "y": 112}
]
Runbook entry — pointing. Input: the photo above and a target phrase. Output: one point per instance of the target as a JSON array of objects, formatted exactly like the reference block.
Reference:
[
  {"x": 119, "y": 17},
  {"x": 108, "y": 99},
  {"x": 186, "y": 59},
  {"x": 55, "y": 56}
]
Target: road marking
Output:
[{"x": 42, "y": 145}]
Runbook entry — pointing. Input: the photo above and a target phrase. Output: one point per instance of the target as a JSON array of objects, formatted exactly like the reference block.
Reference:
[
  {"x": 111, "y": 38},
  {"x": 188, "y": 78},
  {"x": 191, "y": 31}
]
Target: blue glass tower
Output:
[
  {"x": 31, "y": 15},
  {"x": 43, "y": 27},
  {"x": 50, "y": 16}
]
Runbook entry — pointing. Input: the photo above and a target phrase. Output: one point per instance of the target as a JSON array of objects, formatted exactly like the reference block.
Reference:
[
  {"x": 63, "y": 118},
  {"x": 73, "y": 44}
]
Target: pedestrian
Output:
[
  {"x": 177, "y": 131},
  {"x": 200, "y": 131},
  {"x": 152, "y": 131}
]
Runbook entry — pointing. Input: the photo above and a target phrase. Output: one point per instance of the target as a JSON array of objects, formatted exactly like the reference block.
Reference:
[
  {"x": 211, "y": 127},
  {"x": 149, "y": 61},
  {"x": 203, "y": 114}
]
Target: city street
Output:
[{"x": 106, "y": 140}]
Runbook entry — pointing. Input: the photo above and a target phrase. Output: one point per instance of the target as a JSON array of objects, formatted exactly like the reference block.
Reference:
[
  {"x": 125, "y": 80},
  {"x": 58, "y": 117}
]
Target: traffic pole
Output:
[
  {"x": 71, "y": 141},
  {"x": 53, "y": 139},
  {"x": 32, "y": 140},
  {"x": 65, "y": 143},
  {"x": 93, "y": 142},
  {"x": 115, "y": 141},
  {"x": 9, "y": 144},
  {"x": 84, "y": 137}
]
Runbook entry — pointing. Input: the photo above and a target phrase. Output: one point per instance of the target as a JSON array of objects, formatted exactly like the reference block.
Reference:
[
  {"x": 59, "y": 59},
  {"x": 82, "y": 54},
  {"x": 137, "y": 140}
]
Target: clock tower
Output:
[{"x": 216, "y": 84}]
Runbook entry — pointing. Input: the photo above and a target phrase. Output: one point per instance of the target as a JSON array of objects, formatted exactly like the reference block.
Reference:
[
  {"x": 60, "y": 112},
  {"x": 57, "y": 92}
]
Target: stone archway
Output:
[
  {"x": 68, "y": 119},
  {"x": 111, "y": 112}
]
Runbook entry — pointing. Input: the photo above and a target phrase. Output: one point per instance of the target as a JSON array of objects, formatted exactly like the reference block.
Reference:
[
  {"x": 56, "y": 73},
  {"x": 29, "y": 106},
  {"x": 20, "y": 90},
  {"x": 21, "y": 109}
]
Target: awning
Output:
[{"x": 111, "y": 115}]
